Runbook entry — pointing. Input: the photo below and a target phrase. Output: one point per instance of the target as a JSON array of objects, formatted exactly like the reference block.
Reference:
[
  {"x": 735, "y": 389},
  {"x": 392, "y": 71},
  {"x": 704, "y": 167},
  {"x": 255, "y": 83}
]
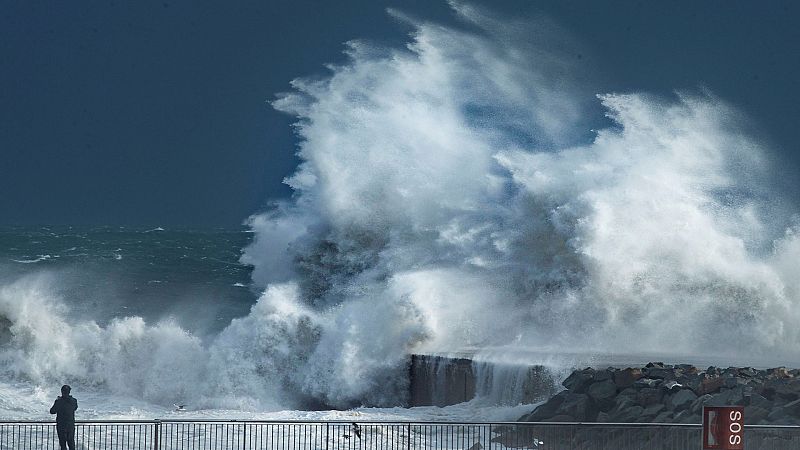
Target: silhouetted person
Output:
[{"x": 64, "y": 409}]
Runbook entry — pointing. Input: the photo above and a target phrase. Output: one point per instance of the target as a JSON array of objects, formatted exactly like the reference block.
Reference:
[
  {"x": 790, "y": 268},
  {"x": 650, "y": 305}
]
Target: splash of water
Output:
[
  {"x": 443, "y": 193},
  {"x": 447, "y": 199}
]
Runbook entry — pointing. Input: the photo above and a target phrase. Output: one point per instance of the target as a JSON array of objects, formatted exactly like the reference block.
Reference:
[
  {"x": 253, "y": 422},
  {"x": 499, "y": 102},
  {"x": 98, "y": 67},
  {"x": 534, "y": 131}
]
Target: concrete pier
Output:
[{"x": 442, "y": 380}]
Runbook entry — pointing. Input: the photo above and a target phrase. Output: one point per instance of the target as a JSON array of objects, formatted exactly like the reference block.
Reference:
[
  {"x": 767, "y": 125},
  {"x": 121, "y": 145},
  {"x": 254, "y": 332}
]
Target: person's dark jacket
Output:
[{"x": 64, "y": 409}]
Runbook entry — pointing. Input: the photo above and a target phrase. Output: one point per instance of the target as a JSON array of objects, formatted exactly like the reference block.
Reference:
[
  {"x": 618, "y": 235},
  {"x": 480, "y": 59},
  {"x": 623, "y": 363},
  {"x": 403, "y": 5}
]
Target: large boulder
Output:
[
  {"x": 755, "y": 414},
  {"x": 793, "y": 408},
  {"x": 547, "y": 409},
  {"x": 663, "y": 417},
  {"x": 627, "y": 415},
  {"x": 747, "y": 372},
  {"x": 777, "y": 415},
  {"x": 681, "y": 400},
  {"x": 779, "y": 372},
  {"x": 732, "y": 382},
  {"x": 649, "y": 396},
  {"x": 625, "y": 378},
  {"x": 653, "y": 410},
  {"x": 699, "y": 402},
  {"x": 692, "y": 381},
  {"x": 787, "y": 389},
  {"x": 579, "y": 380},
  {"x": 733, "y": 396},
  {"x": 758, "y": 400},
  {"x": 603, "y": 375},
  {"x": 579, "y": 406},
  {"x": 603, "y": 394},
  {"x": 710, "y": 385},
  {"x": 628, "y": 392},
  {"x": 661, "y": 373},
  {"x": 646, "y": 383}
]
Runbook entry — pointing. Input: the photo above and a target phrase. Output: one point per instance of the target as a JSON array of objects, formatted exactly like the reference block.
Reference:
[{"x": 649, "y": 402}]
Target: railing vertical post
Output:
[
  {"x": 409, "y": 437},
  {"x": 156, "y": 434},
  {"x": 327, "y": 434}
]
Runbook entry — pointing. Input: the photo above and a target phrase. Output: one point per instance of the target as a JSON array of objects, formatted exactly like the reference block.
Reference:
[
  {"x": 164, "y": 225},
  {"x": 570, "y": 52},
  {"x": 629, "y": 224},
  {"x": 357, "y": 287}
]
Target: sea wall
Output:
[
  {"x": 662, "y": 393},
  {"x": 444, "y": 380}
]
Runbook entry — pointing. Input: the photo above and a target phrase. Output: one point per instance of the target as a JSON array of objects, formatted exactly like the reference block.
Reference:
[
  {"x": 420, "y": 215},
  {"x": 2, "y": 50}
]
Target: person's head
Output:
[{"x": 65, "y": 390}]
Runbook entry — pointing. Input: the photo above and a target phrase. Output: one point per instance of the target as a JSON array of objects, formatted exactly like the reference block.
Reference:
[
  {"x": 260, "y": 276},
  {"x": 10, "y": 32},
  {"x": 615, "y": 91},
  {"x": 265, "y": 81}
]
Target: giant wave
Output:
[{"x": 447, "y": 199}]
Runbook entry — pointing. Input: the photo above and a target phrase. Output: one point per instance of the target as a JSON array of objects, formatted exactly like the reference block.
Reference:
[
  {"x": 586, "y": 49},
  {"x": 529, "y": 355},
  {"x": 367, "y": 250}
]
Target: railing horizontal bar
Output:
[{"x": 381, "y": 422}]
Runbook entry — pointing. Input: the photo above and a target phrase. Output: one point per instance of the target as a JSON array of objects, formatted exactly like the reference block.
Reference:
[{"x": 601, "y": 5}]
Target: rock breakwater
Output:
[{"x": 662, "y": 393}]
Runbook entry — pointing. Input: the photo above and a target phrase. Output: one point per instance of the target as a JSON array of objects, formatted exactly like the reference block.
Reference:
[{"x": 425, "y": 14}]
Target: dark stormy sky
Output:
[{"x": 157, "y": 113}]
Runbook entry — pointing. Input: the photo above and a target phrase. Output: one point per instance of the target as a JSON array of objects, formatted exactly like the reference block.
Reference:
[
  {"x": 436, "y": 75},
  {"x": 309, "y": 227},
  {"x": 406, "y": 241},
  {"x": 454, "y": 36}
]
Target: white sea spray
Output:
[{"x": 448, "y": 199}]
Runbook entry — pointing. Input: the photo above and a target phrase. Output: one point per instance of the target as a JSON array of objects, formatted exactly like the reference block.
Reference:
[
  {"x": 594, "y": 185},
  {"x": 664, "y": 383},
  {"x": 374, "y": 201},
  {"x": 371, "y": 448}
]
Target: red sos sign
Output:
[{"x": 723, "y": 427}]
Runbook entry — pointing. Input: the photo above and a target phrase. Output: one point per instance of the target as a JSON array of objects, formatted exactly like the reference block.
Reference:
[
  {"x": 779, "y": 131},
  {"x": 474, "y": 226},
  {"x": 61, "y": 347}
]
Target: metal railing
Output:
[{"x": 341, "y": 435}]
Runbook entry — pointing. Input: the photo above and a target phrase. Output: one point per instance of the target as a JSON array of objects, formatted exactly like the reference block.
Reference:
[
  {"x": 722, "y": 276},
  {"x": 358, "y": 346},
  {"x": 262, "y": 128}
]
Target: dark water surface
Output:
[{"x": 192, "y": 276}]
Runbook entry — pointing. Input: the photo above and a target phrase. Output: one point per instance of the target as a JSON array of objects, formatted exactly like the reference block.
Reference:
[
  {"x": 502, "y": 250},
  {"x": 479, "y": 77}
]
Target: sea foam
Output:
[{"x": 448, "y": 198}]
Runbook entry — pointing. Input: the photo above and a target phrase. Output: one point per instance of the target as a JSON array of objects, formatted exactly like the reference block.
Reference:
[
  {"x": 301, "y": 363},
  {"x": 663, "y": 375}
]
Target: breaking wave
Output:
[
  {"x": 448, "y": 198},
  {"x": 445, "y": 200}
]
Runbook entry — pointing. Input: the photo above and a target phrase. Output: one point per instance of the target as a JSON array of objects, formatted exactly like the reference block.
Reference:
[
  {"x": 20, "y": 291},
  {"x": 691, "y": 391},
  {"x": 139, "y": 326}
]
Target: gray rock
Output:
[
  {"x": 779, "y": 372},
  {"x": 681, "y": 416},
  {"x": 663, "y": 417},
  {"x": 681, "y": 400},
  {"x": 719, "y": 399},
  {"x": 579, "y": 406},
  {"x": 755, "y": 414},
  {"x": 692, "y": 418},
  {"x": 628, "y": 392},
  {"x": 646, "y": 383},
  {"x": 793, "y": 408},
  {"x": 697, "y": 405},
  {"x": 776, "y": 415},
  {"x": 732, "y": 382},
  {"x": 628, "y": 415},
  {"x": 663, "y": 393},
  {"x": 603, "y": 375},
  {"x": 660, "y": 373},
  {"x": 649, "y": 396},
  {"x": 692, "y": 381},
  {"x": 710, "y": 385},
  {"x": 686, "y": 416},
  {"x": 603, "y": 394},
  {"x": 736, "y": 395},
  {"x": 788, "y": 389},
  {"x": 624, "y": 401},
  {"x": 563, "y": 418},
  {"x": 653, "y": 410},
  {"x": 656, "y": 364},
  {"x": 748, "y": 372},
  {"x": 758, "y": 400},
  {"x": 626, "y": 377},
  {"x": 579, "y": 380},
  {"x": 733, "y": 396},
  {"x": 787, "y": 420},
  {"x": 547, "y": 409},
  {"x": 730, "y": 372}
]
